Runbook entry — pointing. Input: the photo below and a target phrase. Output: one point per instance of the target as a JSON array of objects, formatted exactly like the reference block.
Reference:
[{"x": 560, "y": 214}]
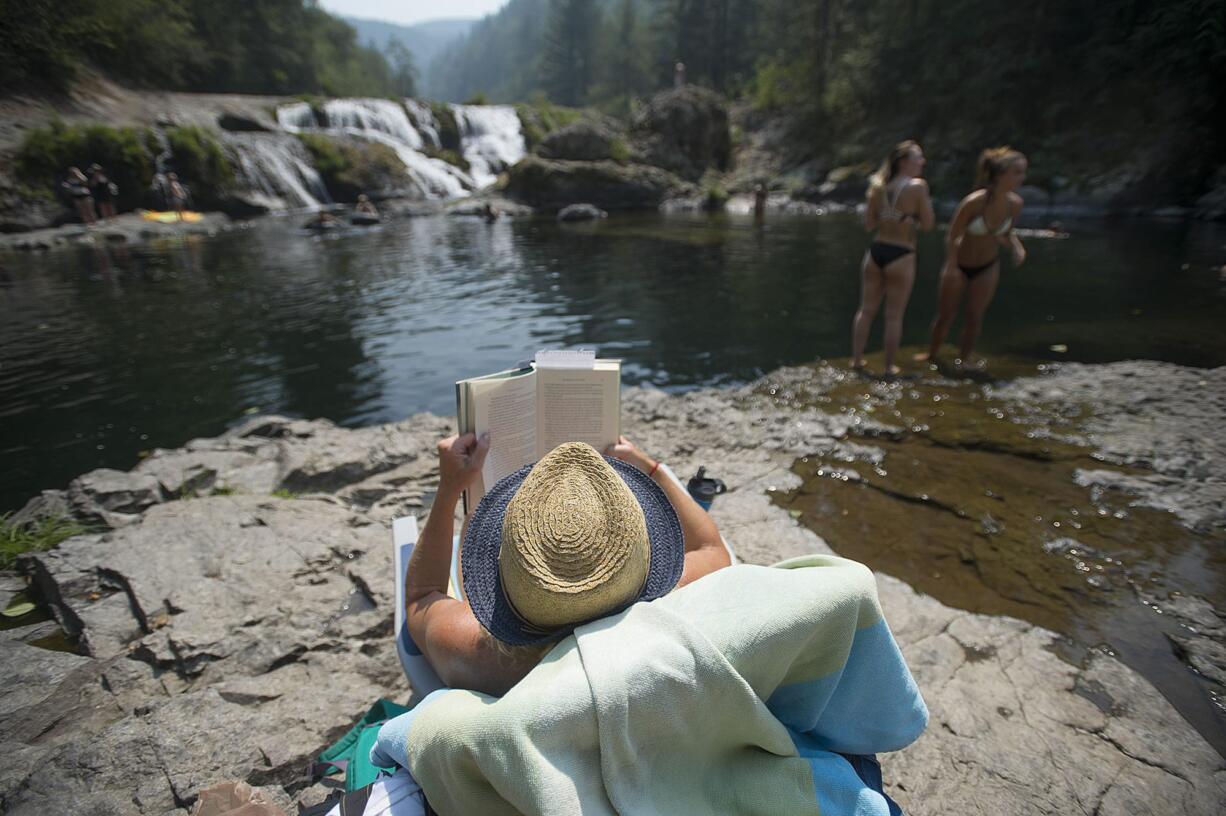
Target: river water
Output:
[{"x": 105, "y": 353}]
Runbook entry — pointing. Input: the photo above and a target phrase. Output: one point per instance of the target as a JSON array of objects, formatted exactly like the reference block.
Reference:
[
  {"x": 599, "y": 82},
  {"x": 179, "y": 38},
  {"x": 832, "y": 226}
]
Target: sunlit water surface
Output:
[{"x": 105, "y": 353}]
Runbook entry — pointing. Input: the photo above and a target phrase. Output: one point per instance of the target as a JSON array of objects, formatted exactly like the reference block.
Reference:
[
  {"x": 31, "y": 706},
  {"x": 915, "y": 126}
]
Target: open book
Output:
[{"x": 529, "y": 411}]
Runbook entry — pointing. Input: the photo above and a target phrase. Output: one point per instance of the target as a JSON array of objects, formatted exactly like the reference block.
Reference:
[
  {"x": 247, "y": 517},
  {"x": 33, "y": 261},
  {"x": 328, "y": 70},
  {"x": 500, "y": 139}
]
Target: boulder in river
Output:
[
  {"x": 581, "y": 212},
  {"x": 585, "y": 140},
  {"x": 684, "y": 130},
  {"x": 554, "y": 184}
]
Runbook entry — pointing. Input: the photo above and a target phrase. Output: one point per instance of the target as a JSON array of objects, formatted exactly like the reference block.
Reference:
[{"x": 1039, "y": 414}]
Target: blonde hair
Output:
[
  {"x": 889, "y": 168},
  {"x": 993, "y": 162}
]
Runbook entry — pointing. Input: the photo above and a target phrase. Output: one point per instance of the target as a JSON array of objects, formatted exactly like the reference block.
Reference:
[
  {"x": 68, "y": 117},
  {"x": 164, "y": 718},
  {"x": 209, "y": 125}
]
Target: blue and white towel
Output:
[{"x": 735, "y": 694}]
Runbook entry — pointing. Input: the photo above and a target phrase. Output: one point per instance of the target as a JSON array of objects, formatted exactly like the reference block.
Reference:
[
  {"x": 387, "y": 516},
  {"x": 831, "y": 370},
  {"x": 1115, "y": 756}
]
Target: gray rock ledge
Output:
[{"x": 229, "y": 633}]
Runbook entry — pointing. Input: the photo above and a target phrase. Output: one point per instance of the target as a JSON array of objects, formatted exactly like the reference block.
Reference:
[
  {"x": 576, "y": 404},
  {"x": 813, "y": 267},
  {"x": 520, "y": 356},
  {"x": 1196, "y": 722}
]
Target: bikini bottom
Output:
[
  {"x": 973, "y": 272},
  {"x": 883, "y": 254}
]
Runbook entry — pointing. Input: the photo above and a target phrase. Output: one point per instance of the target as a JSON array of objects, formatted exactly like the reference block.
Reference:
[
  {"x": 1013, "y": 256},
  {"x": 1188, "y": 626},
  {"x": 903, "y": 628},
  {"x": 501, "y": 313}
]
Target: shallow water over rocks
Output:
[{"x": 1010, "y": 507}]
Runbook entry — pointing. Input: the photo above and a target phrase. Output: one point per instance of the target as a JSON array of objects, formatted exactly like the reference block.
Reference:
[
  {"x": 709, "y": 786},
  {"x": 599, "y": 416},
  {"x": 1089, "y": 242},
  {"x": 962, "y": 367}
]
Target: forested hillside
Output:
[
  {"x": 1130, "y": 86},
  {"x": 424, "y": 41},
  {"x": 243, "y": 46}
]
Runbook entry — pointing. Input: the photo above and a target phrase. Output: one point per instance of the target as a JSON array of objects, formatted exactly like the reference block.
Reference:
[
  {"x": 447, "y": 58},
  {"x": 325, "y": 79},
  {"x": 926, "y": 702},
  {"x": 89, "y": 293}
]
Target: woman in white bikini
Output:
[
  {"x": 983, "y": 223},
  {"x": 898, "y": 202}
]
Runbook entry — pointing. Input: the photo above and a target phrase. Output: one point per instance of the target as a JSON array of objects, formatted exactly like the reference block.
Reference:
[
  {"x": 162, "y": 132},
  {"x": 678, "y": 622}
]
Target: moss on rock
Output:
[
  {"x": 350, "y": 167},
  {"x": 453, "y": 157},
  {"x": 201, "y": 162},
  {"x": 540, "y": 118},
  {"x": 448, "y": 128}
]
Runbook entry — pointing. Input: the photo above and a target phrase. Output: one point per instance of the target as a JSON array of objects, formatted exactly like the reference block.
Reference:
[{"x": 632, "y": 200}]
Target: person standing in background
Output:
[
  {"x": 77, "y": 187},
  {"x": 103, "y": 191},
  {"x": 898, "y": 203},
  {"x": 982, "y": 224}
]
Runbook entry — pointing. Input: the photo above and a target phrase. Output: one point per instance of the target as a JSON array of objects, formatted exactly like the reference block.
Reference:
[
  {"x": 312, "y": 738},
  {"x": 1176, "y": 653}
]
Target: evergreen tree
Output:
[
  {"x": 404, "y": 71},
  {"x": 566, "y": 68},
  {"x": 622, "y": 73}
]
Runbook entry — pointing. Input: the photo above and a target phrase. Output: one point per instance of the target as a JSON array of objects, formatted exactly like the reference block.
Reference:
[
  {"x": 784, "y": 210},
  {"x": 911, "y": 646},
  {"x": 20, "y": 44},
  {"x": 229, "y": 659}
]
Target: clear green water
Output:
[{"x": 108, "y": 352}]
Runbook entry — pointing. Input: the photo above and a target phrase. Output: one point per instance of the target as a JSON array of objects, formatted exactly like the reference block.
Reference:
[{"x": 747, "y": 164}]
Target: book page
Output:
[
  {"x": 507, "y": 409},
  {"x": 577, "y": 405}
]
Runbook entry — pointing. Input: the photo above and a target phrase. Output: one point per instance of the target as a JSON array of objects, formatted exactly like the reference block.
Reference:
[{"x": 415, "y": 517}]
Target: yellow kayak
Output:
[{"x": 161, "y": 217}]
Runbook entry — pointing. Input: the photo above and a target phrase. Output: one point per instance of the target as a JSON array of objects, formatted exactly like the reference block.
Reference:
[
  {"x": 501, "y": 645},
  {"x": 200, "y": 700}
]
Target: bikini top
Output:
[
  {"x": 979, "y": 225},
  {"x": 889, "y": 210}
]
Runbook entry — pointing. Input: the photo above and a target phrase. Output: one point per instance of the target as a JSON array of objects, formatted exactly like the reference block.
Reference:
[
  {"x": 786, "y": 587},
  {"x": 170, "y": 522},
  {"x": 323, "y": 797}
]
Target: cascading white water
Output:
[
  {"x": 491, "y": 139},
  {"x": 296, "y": 116},
  {"x": 424, "y": 120},
  {"x": 279, "y": 169},
  {"x": 372, "y": 115},
  {"x": 386, "y": 122}
]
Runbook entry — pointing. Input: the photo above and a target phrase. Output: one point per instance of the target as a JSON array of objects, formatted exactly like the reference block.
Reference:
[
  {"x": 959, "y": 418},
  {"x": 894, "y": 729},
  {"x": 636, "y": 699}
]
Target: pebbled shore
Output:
[{"x": 230, "y": 633}]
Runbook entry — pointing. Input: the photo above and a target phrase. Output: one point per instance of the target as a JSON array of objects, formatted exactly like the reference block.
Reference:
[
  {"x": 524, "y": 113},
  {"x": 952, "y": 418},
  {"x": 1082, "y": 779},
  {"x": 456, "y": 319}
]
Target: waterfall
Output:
[
  {"x": 295, "y": 117},
  {"x": 424, "y": 120},
  {"x": 490, "y": 138},
  {"x": 278, "y": 168},
  {"x": 386, "y": 122},
  {"x": 372, "y": 115}
]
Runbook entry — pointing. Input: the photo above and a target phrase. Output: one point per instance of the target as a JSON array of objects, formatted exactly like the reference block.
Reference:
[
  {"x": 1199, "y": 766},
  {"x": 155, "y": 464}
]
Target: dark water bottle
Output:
[{"x": 704, "y": 489}]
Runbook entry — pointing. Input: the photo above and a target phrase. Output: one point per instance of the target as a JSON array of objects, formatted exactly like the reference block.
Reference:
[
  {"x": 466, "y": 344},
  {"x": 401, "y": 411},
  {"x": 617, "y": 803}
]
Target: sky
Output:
[{"x": 408, "y": 12}]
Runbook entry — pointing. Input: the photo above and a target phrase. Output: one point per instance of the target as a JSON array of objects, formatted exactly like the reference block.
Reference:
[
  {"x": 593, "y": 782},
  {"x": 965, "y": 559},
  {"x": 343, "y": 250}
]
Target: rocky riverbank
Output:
[
  {"x": 233, "y": 609},
  {"x": 686, "y": 148}
]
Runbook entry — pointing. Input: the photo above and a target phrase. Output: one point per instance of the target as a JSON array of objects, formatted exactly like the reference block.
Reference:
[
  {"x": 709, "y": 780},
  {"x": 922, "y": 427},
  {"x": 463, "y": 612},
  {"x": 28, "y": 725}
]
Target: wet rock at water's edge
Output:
[
  {"x": 581, "y": 212},
  {"x": 611, "y": 186}
]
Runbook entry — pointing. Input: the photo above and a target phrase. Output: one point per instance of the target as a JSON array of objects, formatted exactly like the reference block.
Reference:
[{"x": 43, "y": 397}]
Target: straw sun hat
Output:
[{"x": 573, "y": 538}]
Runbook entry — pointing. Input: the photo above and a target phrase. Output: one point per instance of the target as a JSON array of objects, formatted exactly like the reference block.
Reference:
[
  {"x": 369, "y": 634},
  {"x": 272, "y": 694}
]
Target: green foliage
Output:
[
  {"x": 567, "y": 68},
  {"x": 46, "y": 153},
  {"x": 499, "y": 56},
  {"x": 349, "y": 168},
  {"x": 540, "y": 117},
  {"x": 479, "y": 98},
  {"x": 46, "y": 42},
  {"x": 271, "y": 46},
  {"x": 714, "y": 192},
  {"x": 403, "y": 74},
  {"x": 855, "y": 74},
  {"x": 200, "y": 162},
  {"x": 41, "y": 535},
  {"x": 619, "y": 151},
  {"x": 284, "y": 493}
]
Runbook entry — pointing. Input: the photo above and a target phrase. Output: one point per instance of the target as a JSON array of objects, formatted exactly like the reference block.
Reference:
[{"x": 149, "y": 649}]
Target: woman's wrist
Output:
[
  {"x": 645, "y": 463},
  {"x": 448, "y": 495}
]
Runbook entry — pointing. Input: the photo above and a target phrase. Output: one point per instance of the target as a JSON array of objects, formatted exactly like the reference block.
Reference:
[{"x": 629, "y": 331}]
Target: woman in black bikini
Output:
[
  {"x": 983, "y": 223},
  {"x": 898, "y": 202}
]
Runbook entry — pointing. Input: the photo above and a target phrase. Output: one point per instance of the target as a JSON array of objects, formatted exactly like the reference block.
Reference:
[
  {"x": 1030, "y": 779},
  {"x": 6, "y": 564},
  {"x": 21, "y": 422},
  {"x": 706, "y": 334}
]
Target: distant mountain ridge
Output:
[{"x": 425, "y": 41}]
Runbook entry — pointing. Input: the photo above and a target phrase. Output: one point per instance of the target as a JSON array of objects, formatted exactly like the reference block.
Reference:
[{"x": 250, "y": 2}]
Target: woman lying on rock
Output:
[{"x": 638, "y": 672}]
